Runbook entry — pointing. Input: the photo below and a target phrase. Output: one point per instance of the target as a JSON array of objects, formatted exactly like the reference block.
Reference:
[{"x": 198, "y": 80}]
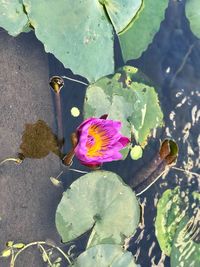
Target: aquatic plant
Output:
[
  {"x": 99, "y": 141},
  {"x": 121, "y": 109},
  {"x": 177, "y": 227},
  {"x": 91, "y": 25}
]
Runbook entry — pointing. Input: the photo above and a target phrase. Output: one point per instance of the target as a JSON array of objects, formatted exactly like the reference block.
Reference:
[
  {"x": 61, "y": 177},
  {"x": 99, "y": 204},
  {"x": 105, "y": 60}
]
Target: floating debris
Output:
[{"x": 75, "y": 112}]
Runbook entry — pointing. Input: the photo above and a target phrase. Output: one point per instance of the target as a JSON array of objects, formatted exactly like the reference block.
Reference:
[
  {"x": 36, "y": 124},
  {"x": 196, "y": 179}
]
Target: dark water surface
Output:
[{"x": 172, "y": 62}]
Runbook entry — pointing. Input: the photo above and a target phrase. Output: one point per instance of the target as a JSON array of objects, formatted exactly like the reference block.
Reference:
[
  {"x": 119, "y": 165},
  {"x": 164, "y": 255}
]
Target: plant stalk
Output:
[
  {"x": 57, "y": 84},
  {"x": 39, "y": 244}
]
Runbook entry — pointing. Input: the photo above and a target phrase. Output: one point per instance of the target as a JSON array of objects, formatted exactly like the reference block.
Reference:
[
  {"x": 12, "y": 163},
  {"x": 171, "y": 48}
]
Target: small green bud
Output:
[{"x": 136, "y": 152}]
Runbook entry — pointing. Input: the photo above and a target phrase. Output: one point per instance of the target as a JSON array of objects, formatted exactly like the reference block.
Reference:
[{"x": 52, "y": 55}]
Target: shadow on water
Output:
[{"x": 171, "y": 62}]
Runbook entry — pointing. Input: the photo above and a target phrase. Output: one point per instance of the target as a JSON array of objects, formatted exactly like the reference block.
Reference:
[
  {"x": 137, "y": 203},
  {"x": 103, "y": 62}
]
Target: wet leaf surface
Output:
[
  {"x": 171, "y": 209},
  {"x": 186, "y": 246}
]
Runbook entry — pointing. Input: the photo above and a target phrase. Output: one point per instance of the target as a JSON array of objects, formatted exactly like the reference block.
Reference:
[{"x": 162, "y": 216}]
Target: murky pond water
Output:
[{"x": 171, "y": 62}]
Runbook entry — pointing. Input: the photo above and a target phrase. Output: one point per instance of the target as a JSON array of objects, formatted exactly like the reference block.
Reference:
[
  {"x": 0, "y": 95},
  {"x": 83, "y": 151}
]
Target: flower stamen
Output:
[{"x": 97, "y": 141}]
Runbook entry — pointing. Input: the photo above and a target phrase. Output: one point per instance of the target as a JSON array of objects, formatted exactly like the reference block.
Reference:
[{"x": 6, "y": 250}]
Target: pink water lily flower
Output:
[{"x": 99, "y": 141}]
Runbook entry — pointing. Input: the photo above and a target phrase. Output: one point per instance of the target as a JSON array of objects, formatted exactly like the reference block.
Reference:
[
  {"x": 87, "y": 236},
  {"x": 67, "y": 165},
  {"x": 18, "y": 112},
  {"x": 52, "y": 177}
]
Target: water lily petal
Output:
[
  {"x": 124, "y": 141},
  {"x": 99, "y": 140}
]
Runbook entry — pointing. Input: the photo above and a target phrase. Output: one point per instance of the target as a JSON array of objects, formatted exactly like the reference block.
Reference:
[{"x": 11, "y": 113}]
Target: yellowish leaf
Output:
[
  {"x": 6, "y": 253},
  {"x": 18, "y": 245}
]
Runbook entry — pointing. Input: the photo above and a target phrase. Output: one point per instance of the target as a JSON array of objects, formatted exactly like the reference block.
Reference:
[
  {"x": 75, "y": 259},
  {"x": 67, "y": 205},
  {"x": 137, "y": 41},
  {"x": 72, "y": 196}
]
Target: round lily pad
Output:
[
  {"x": 99, "y": 201},
  {"x": 105, "y": 255}
]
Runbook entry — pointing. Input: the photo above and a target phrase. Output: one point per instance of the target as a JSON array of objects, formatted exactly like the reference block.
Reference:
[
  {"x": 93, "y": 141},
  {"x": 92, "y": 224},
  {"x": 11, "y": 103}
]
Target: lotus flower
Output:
[{"x": 99, "y": 141}]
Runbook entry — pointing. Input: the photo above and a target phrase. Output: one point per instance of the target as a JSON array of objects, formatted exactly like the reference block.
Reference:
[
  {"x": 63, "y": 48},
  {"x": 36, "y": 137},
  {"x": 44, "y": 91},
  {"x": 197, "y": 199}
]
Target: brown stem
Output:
[
  {"x": 57, "y": 84},
  {"x": 166, "y": 157},
  {"x": 143, "y": 174}
]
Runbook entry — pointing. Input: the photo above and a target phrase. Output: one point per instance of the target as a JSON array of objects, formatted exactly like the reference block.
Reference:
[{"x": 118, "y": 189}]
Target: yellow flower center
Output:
[{"x": 97, "y": 141}]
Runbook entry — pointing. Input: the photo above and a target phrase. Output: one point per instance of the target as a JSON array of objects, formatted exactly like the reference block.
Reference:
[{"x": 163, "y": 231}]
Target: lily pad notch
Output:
[{"x": 99, "y": 201}]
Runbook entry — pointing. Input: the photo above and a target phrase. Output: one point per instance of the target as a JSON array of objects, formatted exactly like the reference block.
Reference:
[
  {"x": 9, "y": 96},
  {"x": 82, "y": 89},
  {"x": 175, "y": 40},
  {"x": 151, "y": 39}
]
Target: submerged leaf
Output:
[
  {"x": 186, "y": 245},
  {"x": 196, "y": 196},
  {"x": 38, "y": 141},
  {"x": 99, "y": 201},
  {"x": 105, "y": 255},
  {"x": 171, "y": 209}
]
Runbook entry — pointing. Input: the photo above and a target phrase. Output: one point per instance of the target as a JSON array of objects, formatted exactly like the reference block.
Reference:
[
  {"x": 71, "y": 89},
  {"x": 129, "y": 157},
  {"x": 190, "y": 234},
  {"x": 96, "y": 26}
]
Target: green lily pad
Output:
[
  {"x": 102, "y": 202},
  {"x": 124, "y": 98},
  {"x": 186, "y": 245},
  {"x": 76, "y": 32},
  {"x": 192, "y": 11},
  {"x": 136, "y": 37},
  {"x": 12, "y": 18},
  {"x": 121, "y": 12},
  {"x": 171, "y": 208},
  {"x": 104, "y": 256}
]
